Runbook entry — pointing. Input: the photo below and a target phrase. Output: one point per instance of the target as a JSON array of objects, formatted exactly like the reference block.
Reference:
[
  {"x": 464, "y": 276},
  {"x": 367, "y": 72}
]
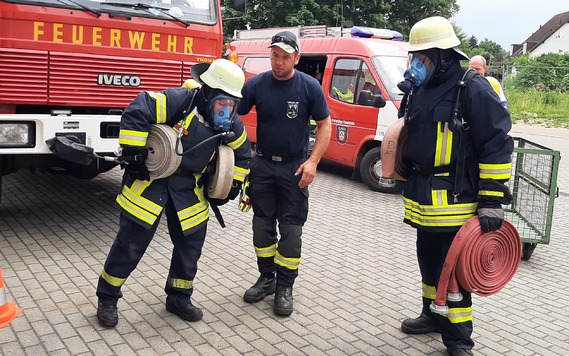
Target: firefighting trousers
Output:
[
  {"x": 129, "y": 247},
  {"x": 276, "y": 196},
  {"x": 456, "y": 326}
]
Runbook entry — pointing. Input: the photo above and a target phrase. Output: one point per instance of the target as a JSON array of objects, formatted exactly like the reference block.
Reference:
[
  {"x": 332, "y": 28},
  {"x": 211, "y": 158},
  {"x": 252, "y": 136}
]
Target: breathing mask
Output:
[
  {"x": 221, "y": 110},
  {"x": 420, "y": 69}
]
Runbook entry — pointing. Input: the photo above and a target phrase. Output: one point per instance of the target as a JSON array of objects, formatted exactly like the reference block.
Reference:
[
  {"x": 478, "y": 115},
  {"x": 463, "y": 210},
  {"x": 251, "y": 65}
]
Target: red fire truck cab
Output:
[
  {"x": 359, "y": 76},
  {"x": 69, "y": 68}
]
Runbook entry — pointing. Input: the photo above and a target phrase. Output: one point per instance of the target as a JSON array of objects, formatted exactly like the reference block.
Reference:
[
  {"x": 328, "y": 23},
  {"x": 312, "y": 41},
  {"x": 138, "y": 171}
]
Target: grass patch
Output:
[{"x": 549, "y": 109}]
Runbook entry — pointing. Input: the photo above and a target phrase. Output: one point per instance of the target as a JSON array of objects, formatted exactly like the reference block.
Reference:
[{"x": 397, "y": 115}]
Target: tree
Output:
[{"x": 398, "y": 15}]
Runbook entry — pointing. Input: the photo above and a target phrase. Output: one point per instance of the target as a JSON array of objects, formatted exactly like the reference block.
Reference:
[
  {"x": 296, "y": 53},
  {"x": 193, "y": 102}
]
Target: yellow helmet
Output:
[
  {"x": 434, "y": 32},
  {"x": 220, "y": 74}
]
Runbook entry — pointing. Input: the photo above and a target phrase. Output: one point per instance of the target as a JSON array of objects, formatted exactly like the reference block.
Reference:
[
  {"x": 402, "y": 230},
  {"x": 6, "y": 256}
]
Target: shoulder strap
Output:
[{"x": 455, "y": 123}]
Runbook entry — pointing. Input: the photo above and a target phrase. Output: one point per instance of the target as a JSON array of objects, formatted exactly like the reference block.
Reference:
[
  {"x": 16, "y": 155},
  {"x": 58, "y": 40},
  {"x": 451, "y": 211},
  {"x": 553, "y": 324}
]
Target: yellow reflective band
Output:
[
  {"x": 139, "y": 186},
  {"x": 235, "y": 144},
  {"x": 180, "y": 283},
  {"x": 269, "y": 251},
  {"x": 195, "y": 220},
  {"x": 444, "y": 147},
  {"x": 160, "y": 106},
  {"x": 287, "y": 262},
  {"x": 495, "y": 170},
  {"x": 135, "y": 211},
  {"x": 188, "y": 121},
  {"x": 491, "y": 193},
  {"x": 449, "y": 209},
  {"x": 135, "y": 197},
  {"x": 192, "y": 210},
  {"x": 114, "y": 281},
  {"x": 440, "y": 198},
  {"x": 429, "y": 292},
  {"x": 456, "y": 220},
  {"x": 133, "y": 138},
  {"x": 240, "y": 174},
  {"x": 459, "y": 315}
]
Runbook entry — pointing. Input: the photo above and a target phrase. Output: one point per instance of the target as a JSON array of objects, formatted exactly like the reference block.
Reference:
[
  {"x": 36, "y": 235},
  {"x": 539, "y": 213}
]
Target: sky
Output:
[{"x": 506, "y": 21}]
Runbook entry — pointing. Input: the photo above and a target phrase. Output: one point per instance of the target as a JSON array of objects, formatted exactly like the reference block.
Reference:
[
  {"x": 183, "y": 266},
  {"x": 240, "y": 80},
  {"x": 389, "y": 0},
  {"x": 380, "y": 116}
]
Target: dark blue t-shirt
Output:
[{"x": 284, "y": 109}]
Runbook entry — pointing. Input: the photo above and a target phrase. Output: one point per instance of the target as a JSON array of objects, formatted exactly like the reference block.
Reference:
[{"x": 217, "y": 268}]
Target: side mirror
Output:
[
  {"x": 239, "y": 5},
  {"x": 366, "y": 98}
]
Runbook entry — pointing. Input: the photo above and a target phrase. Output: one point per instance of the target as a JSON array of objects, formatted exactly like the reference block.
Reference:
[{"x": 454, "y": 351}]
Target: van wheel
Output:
[{"x": 370, "y": 171}]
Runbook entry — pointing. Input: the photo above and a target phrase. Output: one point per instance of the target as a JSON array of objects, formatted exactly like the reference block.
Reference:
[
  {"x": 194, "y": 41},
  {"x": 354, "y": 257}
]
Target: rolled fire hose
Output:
[
  {"x": 483, "y": 263},
  {"x": 162, "y": 159},
  {"x": 219, "y": 184},
  {"x": 392, "y": 167},
  {"x": 389, "y": 148}
]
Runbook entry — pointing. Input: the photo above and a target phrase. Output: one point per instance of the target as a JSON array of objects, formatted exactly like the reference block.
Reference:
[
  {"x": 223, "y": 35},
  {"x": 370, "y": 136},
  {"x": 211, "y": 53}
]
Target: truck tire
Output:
[{"x": 369, "y": 168}]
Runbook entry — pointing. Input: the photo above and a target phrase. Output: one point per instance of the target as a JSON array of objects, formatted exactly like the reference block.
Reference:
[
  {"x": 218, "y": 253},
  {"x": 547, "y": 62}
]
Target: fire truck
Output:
[
  {"x": 359, "y": 69},
  {"x": 69, "y": 68}
]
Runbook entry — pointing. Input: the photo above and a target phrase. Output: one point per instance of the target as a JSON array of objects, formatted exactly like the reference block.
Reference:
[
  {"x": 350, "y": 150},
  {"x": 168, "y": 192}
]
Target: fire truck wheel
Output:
[{"x": 370, "y": 170}]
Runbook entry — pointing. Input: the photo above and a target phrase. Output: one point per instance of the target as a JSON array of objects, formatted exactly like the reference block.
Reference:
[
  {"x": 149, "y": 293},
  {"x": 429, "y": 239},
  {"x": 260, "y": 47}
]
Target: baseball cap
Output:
[{"x": 287, "y": 41}]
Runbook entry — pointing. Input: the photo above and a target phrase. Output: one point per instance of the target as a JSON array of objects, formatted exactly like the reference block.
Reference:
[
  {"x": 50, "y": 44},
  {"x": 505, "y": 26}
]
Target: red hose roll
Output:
[{"x": 483, "y": 263}]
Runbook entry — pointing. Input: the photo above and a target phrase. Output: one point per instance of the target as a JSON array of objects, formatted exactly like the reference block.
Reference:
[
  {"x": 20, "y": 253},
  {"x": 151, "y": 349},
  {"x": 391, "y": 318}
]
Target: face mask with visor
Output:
[
  {"x": 221, "y": 111},
  {"x": 420, "y": 69}
]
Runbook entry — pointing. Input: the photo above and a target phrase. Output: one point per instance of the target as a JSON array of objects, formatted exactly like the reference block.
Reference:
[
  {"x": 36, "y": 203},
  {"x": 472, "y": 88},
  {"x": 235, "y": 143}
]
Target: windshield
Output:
[
  {"x": 390, "y": 70},
  {"x": 185, "y": 11}
]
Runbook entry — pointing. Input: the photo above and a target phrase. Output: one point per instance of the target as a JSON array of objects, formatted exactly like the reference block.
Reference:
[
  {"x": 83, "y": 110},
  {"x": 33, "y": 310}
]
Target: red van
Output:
[{"x": 359, "y": 73}]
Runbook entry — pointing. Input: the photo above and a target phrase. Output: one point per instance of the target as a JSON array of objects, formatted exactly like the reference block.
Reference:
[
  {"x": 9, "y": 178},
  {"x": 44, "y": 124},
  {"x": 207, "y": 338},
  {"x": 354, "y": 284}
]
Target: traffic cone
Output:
[{"x": 8, "y": 311}]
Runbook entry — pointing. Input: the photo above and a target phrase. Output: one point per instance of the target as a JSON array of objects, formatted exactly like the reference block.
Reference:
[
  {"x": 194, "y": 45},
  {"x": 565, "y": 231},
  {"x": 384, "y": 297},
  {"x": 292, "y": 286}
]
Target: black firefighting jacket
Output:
[
  {"x": 435, "y": 197},
  {"x": 143, "y": 201}
]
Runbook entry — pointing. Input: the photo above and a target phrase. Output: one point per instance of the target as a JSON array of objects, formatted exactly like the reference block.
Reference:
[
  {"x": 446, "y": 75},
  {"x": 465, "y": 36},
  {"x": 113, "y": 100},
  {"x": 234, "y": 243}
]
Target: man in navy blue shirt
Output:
[{"x": 285, "y": 100}]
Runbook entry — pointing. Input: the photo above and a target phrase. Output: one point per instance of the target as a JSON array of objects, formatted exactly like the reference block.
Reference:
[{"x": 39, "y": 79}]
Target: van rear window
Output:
[{"x": 255, "y": 65}]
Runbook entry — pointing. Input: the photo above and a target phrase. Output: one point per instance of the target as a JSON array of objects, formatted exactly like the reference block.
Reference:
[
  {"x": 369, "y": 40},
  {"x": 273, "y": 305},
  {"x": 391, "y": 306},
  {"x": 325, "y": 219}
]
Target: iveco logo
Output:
[{"x": 119, "y": 80}]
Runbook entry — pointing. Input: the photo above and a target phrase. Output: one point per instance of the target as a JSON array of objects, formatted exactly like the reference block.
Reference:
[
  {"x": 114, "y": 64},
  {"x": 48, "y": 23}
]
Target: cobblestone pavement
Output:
[{"x": 358, "y": 278}]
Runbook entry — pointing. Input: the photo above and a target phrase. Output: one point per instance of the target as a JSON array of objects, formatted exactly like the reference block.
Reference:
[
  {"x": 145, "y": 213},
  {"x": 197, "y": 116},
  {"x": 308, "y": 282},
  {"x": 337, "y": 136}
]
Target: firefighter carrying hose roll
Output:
[
  {"x": 200, "y": 115},
  {"x": 459, "y": 166}
]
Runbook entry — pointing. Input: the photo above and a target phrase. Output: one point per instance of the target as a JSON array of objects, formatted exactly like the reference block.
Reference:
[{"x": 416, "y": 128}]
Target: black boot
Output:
[
  {"x": 264, "y": 286},
  {"x": 283, "y": 301},
  {"x": 187, "y": 312},
  {"x": 421, "y": 325},
  {"x": 459, "y": 352},
  {"x": 108, "y": 315}
]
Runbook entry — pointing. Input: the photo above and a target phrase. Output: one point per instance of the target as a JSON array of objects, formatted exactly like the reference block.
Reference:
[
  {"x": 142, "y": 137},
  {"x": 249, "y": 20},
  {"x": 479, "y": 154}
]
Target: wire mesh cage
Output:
[{"x": 534, "y": 188}]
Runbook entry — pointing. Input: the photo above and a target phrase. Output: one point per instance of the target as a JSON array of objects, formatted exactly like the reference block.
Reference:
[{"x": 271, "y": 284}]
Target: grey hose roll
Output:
[
  {"x": 219, "y": 184},
  {"x": 162, "y": 159}
]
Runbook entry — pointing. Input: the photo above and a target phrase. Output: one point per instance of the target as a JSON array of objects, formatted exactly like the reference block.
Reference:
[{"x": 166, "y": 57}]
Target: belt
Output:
[{"x": 280, "y": 159}]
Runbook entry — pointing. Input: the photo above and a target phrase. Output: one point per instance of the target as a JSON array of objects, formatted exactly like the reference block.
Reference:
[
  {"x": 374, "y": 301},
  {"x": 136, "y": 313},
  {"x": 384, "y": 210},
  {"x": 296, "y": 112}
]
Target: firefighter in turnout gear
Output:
[
  {"x": 204, "y": 116},
  {"x": 458, "y": 165}
]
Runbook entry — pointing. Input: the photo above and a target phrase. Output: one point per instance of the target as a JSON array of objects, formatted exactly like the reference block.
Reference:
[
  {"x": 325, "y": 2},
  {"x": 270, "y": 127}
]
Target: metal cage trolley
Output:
[{"x": 534, "y": 188}]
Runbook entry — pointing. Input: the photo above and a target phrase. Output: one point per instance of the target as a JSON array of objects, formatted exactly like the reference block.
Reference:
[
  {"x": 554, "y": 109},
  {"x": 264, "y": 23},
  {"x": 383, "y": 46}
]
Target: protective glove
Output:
[
  {"x": 491, "y": 215},
  {"x": 235, "y": 189},
  {"x": 134, "y": 158},
  {"x": 244, "y": 200}
]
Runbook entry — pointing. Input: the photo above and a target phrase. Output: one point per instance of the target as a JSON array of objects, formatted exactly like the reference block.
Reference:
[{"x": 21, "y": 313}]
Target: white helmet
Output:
[
  {"x": 434, "y": 32},
  {"x": 220, "y": 74}
]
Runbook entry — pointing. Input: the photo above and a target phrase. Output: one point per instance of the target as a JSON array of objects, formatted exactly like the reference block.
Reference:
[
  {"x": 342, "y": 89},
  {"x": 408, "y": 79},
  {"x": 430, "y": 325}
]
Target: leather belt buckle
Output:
[{"x": 276, "y": 158}]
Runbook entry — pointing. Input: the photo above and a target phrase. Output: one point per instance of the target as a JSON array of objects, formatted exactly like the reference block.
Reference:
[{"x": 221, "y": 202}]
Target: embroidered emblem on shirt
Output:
[{"x": 292, "y": 109}]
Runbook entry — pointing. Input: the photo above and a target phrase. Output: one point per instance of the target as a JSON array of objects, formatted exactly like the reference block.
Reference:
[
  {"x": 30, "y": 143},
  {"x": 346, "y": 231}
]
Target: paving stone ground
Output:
[{"x": 358, "y": 278}]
